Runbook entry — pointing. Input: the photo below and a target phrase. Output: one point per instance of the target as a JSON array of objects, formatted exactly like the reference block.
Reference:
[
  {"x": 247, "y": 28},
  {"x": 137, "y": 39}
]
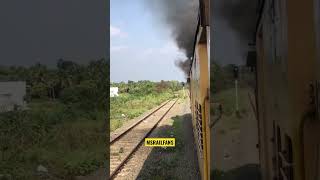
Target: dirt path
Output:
[
  {"x": 191, "y": 169},
  {"x": 234, "y": 141}
]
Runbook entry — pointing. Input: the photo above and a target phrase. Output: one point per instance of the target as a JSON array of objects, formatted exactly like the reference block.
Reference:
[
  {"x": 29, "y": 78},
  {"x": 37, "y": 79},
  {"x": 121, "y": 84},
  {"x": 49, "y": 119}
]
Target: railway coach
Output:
[
  {"x": 287, "y": 90},
  {"x": 199, "y": 89}
]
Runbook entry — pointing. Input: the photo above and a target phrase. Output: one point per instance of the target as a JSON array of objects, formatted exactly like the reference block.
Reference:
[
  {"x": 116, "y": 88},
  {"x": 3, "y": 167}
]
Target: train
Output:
[
  {"x": 199, "y": 83},
  {"x": 287, "y": 60}
]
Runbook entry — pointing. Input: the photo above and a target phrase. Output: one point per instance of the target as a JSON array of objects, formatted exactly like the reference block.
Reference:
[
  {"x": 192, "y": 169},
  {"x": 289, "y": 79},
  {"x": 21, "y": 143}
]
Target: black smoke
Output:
[
  {"x": 241, "y": 16},
  {"x": 184, "y": 65},
  {"x": 180, "y": 16},
  {"x": 233, "y": 26}
]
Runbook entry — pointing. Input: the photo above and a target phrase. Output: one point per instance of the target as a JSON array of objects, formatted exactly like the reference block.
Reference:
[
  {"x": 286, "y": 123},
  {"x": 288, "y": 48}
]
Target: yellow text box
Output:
[{"x": 160, "y": 142}]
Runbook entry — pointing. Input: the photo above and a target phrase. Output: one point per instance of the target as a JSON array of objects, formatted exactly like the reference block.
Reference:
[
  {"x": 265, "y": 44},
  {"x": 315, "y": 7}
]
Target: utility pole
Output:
[{"x": 184, "y": 92}]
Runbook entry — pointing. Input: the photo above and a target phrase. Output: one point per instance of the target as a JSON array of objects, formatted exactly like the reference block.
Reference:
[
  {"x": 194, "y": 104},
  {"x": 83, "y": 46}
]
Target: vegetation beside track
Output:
[
  {"x": 226, "y": 98},
  {"x": 222, "y": 78},
  {"x": 61, "y": 134},
  {"x": 135, "y": 98}
]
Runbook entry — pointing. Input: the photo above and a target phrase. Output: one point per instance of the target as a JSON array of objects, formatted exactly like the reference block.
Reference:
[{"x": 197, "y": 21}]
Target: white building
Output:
[
  {"x": 114, "y": 91},
  {"x": 12, "y": 95}
]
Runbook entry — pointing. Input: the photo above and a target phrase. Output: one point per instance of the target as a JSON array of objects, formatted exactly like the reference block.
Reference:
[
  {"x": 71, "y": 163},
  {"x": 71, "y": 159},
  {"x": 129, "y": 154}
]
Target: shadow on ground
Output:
[
  {"x": 179, "y": 162},
  {"x": 245, "y": 172}
]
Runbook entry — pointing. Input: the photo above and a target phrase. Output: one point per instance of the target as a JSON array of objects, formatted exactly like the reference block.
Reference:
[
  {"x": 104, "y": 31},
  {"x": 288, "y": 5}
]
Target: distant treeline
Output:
[
  {"x": 222, "y": 77},
  {"x": 147, "y": 87},
  {"x": 69, "y": 82}
]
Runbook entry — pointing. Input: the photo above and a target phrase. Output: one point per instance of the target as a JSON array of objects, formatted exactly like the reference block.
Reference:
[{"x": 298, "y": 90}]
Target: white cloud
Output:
[
  {"x": 117, "y": 48},
  {"x": 117, "y": 32},
  {"x": 137, "y": 63},
  {"x": 169, "y": 48}
]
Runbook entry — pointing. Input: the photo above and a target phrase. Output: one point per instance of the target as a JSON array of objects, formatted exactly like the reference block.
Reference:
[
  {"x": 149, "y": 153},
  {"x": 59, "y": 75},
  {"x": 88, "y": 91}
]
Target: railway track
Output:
[
  {"x": 114, "y": 139},
  {"x": 124, "y": 145}
]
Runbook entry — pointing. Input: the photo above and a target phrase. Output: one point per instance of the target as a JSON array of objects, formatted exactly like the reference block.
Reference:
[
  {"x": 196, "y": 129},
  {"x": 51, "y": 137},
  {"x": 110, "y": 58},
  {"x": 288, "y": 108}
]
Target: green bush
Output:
[
  {"x": 83, "y": 96},
  {"x": 63, "y": 123},
  {"x": 45, "y": 133},
  {"x": 39, "y": 91},
  {"x": 138, "y": 97},
  {"x": 82, "y": 167}
]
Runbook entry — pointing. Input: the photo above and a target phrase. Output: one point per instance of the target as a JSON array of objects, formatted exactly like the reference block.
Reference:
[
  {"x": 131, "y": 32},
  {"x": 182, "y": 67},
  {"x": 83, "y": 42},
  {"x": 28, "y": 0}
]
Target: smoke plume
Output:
[
  {"x": 181, "y": 18},
  {"x": 240, "y": 16},
  {"x": 184, "y": 65}
]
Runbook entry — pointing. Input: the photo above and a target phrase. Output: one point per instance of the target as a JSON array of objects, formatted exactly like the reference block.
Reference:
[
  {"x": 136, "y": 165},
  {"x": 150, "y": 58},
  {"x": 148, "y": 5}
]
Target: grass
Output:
[
  {"x": 67, "y": 141},
  {"x": 163, "y": 163},
  {"x": 174, "y": 130},
  {"x": 227, "y": 99},
  {"x": 132, "y": 106}
]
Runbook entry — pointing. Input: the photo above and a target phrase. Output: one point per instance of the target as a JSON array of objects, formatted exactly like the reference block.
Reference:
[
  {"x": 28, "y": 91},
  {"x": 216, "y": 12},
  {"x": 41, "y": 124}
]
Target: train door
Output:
[
  {"x": 207, "y": 104},
  {"x": 311, "y": 128},
  {"x": 204, "y": 74}
]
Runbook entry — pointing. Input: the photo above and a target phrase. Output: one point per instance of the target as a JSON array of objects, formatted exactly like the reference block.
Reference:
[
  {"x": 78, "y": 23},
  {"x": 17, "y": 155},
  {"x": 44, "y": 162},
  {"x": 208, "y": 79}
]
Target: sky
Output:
[
  {"x": 46, "y": 30},
  {"x": 141, "y": 48}
]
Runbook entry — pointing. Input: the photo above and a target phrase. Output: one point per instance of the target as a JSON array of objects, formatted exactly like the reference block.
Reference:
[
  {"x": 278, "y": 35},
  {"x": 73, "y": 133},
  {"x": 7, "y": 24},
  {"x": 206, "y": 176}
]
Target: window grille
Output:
[{"x": 198, "y": 113}]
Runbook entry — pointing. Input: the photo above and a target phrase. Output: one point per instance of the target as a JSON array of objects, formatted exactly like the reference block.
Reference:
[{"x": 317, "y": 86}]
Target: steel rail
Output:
[{"x": 114, "y": 173}]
